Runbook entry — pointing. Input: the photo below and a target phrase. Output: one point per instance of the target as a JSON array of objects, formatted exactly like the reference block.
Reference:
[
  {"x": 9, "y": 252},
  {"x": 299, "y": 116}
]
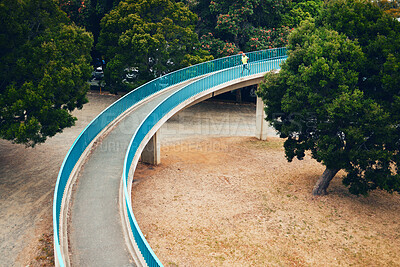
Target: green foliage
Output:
[
  {"x": 77, "y": 10},
  {"x": 337, "y": 94},
  {"x": 391, "y": 7},
  {"x": 217, "y": 47},
  {"x": 268, "y": 38},
  {"x": 378, "y": 35},
  {"x": 149, "y": 37},
  {"x": 43, "y": 72},
  {"x": 300, "y": 11},
  {"x": 226, "y": 27},
  {"x": 234, "y": 23},
  {"x": 88, "y": 13}
]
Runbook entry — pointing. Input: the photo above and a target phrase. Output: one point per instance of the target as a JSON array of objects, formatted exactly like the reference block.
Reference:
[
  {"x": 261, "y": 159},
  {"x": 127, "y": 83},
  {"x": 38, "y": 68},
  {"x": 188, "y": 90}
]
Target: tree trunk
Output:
[{"x": 323, "y": 182}]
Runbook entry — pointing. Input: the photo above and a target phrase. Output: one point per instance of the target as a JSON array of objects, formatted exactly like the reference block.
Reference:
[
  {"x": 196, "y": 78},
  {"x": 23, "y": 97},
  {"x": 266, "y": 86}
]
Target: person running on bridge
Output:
[{"x": 244, "y": 61}]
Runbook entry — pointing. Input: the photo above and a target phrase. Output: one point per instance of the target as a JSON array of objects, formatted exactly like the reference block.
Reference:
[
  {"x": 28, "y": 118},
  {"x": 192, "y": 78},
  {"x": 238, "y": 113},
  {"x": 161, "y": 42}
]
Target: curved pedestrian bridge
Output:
[{"x": 93, "y": 221}]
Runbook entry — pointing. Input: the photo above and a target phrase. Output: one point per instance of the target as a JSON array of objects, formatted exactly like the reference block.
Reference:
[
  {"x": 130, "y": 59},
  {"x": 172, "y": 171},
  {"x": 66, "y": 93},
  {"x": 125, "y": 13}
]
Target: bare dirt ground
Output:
[
  {"x": 236, "y": 201},
  {"x": 27, "y": 180},
  {"x": 220, "y": 201},
  {"x": 28, "y": 176}
]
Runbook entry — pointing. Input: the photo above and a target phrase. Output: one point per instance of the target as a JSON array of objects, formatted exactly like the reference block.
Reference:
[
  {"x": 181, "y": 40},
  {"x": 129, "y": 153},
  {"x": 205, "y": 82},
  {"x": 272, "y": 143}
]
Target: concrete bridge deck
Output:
[{"x": 95, "y": 231}]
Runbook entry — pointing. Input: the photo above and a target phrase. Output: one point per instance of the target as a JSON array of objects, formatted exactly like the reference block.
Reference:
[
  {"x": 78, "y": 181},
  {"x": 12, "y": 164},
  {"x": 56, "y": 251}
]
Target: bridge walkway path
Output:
[{"x": 95, "y": 231}]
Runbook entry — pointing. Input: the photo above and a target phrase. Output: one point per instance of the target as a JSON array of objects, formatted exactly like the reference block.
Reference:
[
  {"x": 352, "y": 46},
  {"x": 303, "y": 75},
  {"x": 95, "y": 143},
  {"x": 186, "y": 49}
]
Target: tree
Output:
[
  {"x": 233, "y": 23},
  {"x": 88, "y": 13},
  {"x": 337, "y": 96},
  {"x": 146, "y": 39},
  {"x": 226, "y": 27},
  {"x": 300, "y": 11},
  {"x": 263, "y": 38},
  {"x": 391, "y": 7},
  {"x": 43, "y": 72}
]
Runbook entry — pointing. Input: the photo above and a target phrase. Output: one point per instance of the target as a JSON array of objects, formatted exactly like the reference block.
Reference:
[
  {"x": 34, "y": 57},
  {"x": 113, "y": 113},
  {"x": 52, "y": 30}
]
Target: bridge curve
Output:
[{"x": 142, "y": 111}]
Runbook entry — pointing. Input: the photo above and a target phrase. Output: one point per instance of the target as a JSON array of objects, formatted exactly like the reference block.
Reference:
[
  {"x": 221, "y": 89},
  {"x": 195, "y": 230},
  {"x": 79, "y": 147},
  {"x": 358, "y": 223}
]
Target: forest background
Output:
[{"x": 49, "y": 49}]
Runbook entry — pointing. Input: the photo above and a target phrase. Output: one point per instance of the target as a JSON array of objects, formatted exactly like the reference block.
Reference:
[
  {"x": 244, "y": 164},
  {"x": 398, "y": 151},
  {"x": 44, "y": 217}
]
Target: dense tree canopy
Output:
[
  {"x": 148, "y": 38},
  {"x": 226, "y": 27},
  {"x": 301, "y": 10},
  {"x": 44, "y": 69},
  {"x": 88, "y": 13},
  {"x": 392, "y": 7},
  {"x": 337, "y": 95}
]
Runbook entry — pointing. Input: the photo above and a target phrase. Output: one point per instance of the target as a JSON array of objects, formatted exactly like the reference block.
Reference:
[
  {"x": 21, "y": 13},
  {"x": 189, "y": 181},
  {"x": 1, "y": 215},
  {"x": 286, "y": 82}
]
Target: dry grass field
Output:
[
  {"x": 236, "y": 201},
  {"x": 230, "y": 201},
  {"x": 27, "y": 180}
]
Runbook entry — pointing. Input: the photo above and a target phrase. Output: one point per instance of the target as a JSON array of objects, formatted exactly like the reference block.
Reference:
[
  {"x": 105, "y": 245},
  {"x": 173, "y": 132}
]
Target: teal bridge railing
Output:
[{"x": 226, "y": 69}]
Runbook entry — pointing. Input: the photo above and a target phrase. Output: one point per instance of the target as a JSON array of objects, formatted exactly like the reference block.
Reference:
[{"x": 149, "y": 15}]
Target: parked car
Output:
[
  {"x": 98, "y": 73},
  {"x": 130, "y": 74}
]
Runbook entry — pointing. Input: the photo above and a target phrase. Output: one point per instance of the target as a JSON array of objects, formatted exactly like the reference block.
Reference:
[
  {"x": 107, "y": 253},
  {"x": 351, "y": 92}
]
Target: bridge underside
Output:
[{"x": 151, "y": 153}]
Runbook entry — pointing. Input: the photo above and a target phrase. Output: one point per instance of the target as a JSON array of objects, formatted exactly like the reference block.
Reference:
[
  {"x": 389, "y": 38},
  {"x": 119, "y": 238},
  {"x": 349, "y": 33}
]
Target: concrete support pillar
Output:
[
  {"x": 261, "y": 123},
  {"x": 239, "y": 95},
  {"x": 151, "y": 152}
]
